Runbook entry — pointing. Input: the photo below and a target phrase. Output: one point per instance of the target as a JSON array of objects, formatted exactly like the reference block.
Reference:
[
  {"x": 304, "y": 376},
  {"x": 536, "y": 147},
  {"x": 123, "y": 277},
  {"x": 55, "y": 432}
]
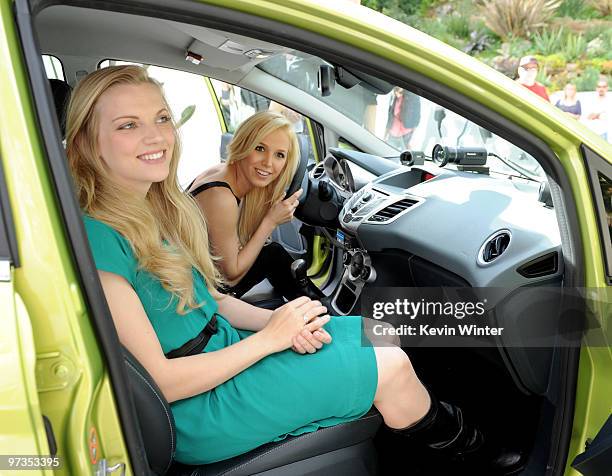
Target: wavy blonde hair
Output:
[
  {"x": 165, "y": 214},
  {"x": 259, "y": 200}
]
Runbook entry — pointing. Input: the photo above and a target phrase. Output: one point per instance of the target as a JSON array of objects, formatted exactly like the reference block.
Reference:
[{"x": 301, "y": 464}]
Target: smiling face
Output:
[
  {"x": 265, "y": 163},
  {"x": 135, "y": 135}
]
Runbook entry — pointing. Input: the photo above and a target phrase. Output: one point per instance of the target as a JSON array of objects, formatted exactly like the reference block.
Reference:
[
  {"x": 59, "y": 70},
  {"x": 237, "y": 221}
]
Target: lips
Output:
[
  {"x": 153, "y": 156},
  {"x": 262, "y": 173}
]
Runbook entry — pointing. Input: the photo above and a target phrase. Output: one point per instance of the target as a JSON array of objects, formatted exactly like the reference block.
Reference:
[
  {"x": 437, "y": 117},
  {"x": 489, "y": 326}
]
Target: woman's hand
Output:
[
  {"x": 290, "y": 320},
  {"x": 282, "y": 211},
  {"x": 310, "y": 342}
]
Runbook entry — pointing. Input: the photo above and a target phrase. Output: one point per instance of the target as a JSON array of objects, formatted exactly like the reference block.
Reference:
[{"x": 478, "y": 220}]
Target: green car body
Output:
[{"x": 50, "y": 357}]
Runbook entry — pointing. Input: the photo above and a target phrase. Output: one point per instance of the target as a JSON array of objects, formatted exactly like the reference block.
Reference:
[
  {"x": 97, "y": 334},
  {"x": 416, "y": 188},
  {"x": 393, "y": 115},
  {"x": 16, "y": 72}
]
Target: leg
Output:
[
  {"x": 273, "y": 263},
  {"x": 400, "y": 396}
]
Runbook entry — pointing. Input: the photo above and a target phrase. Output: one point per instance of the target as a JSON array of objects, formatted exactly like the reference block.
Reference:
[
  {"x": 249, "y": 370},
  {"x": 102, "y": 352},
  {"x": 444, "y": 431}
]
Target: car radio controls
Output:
[{"x": 347, "y": 217}]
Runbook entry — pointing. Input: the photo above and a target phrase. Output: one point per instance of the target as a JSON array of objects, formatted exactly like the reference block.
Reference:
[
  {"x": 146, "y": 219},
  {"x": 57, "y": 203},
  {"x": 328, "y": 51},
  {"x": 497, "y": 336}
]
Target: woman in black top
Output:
[
  {"x": 242, "y": 200},
  {"x": 570, "y": 103}
]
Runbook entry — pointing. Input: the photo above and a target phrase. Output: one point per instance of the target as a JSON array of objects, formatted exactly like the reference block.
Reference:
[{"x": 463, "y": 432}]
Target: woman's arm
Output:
[
  {"x": 241, "y": 314},
  {"x": 221, "y": 211},
  {"x": 188, "y": 376}
]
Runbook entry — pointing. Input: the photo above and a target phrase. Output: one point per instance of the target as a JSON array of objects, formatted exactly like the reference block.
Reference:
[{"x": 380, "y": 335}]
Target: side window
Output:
[
  {"x": 193, "y": 110},
  {"x": 600, "y": 172},
  {"x": 53, "y": 67},
  {"x": 237, "y": 104},
  {"x": 605, "y": 184}
]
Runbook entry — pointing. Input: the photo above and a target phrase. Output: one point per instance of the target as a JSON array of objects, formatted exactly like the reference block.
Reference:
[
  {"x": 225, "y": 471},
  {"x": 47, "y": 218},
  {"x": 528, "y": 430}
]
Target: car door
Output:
[{"x": 58, "y": 332}]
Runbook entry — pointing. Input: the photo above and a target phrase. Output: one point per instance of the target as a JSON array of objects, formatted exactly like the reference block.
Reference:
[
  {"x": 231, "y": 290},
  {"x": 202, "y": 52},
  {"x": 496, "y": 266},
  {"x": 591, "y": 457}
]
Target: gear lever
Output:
[{"x": 298, "y": 271}]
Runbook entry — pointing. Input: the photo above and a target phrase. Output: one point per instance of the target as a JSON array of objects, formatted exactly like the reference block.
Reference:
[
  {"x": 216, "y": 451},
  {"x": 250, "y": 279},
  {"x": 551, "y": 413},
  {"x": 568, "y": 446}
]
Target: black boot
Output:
[
  {"x": 444, "y": 429},
  {"x": 305, "y": 286}
]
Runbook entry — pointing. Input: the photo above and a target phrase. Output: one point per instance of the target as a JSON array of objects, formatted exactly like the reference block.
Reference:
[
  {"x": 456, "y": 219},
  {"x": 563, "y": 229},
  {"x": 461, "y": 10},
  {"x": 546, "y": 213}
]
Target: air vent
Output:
[
  {"x": 392, "y": 210},
  {"x": 542, "y": 266},
  {"x": 494, "y": 248},
  {"x": 318, "y": 171}
]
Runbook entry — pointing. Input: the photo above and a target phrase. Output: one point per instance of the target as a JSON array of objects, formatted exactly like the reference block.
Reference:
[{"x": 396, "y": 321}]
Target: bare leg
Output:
[{"x": 400, "y": 396}]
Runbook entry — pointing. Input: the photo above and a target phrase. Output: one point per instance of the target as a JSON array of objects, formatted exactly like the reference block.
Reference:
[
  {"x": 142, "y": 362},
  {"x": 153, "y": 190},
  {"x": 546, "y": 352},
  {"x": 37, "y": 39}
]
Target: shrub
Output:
[
  {"x": 458, "y": 25},
  {"x": 571, "y": 8},
  {"x": 515, "y": 47},
  {"x": 588, "y": 79},
  {"x": 517, "y": 18},
  {"x": 575, "y": 47},
  {"x": 549, "y": 42},
  {"x": 603, "y": 7}
]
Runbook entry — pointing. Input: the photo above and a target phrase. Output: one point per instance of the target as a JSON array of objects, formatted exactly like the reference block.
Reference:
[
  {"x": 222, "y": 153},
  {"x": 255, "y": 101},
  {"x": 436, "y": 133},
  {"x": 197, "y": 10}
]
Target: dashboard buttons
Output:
[{"x": 367, "y": 197}]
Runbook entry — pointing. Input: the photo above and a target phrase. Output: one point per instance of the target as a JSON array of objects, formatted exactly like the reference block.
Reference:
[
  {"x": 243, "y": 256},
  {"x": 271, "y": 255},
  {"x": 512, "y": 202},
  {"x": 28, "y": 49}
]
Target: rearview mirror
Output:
[{"x": 326, "y": 79}]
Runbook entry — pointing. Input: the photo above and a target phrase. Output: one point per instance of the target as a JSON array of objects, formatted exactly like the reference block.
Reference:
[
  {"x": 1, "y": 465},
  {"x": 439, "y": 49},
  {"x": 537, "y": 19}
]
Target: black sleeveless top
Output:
[{"x": 206, "y": 186}]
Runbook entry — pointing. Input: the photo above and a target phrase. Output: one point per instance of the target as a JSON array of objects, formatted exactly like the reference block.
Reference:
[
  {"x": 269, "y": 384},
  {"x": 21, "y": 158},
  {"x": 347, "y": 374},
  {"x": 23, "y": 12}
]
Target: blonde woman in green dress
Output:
[{"x": 150, "y": 246}]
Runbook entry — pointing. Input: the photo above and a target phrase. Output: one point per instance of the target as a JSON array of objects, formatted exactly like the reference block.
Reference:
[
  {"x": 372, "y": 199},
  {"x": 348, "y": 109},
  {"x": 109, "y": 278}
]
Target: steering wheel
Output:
[{"x": 300, "y": 178}]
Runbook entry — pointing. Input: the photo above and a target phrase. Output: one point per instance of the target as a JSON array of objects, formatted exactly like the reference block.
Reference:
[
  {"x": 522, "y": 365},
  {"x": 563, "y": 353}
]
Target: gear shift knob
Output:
[{"x": 298, "y": 271}]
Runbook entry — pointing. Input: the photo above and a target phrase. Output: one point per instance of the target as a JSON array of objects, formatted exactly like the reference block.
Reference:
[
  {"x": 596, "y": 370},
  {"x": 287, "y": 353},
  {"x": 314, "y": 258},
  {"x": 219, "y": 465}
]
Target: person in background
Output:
[
  {"x": 243, "y": 200},
  {"x": 570, "y": 103},
  {"x": 403, "y": 117},
  {"x": 597, "y": 118},
  {"x": 527, "y": 72}
]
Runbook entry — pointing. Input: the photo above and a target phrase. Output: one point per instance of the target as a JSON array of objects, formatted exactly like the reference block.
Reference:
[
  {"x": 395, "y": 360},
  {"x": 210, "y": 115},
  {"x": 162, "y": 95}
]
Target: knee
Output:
[
  {"x": 396, "y": 366},
  {"x": 379, "y": 333}
]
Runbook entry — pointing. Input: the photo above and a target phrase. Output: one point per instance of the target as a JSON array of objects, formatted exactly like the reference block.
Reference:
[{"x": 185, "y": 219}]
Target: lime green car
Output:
[{"x": 486, "y": 186}]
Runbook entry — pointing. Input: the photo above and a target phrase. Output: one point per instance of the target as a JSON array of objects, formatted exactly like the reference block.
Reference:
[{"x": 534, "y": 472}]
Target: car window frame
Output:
[{"x": 595, "y": 165}]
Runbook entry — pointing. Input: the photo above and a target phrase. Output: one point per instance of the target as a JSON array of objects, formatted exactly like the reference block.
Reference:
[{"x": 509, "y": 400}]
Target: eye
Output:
[
  {"x": 260, "y": 148},
  {"x": 280, "y": 155},
  {"x": 164, "y": 119},
  {"x": 127, "y": 125}
]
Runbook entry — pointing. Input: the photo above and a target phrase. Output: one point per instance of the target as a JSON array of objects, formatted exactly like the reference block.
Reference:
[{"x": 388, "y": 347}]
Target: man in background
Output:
[
  {"x": 598, "y": 115},
  {"x": 527, "y": 72}
]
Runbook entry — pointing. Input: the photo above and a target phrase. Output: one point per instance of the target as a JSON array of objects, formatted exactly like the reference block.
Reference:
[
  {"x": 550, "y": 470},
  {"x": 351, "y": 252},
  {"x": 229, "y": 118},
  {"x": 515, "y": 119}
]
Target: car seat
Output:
[
  {"x": 342, "y": 449},
  {"x": 61, "y": 96}
]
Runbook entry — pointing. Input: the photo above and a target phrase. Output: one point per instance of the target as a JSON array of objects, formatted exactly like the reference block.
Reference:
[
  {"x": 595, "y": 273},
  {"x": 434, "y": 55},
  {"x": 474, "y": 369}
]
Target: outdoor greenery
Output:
[{"x": 572, "y": 39}]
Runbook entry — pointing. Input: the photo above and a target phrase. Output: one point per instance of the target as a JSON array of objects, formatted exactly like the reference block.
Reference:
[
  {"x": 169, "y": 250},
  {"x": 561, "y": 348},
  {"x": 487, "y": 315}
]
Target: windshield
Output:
[{"x": 402, "y": 119}]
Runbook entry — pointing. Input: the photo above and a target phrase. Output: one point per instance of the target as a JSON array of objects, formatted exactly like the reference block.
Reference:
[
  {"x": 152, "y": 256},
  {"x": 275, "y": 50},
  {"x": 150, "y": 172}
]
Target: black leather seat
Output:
[
  {"x": 341, "y": 449},
  {"x": 61, "y": 91}
]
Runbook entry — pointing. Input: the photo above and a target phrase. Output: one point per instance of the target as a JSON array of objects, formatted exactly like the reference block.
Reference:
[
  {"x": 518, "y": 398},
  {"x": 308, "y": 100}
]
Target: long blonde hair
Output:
[
  {"x": 166, "y": 214},
  {"x": 258, "y": 201}
]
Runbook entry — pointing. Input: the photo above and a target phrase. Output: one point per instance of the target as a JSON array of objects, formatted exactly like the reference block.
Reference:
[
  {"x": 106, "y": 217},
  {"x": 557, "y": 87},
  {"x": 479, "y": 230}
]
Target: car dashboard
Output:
[{"x": 452, "y": 219}]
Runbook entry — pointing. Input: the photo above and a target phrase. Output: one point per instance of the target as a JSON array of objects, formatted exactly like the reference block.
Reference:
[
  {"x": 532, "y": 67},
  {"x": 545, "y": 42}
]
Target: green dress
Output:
[{"x": 283, "y": 394}]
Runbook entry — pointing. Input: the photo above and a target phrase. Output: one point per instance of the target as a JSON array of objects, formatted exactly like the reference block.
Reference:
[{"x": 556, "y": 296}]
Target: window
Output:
[
  {"x": 53, "y": 67},
  {"x": 605, "y": 184}
]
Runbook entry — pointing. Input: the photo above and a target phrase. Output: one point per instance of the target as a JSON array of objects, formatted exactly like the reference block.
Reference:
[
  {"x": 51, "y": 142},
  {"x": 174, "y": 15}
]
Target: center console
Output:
[{"x": 358, "y": 271}]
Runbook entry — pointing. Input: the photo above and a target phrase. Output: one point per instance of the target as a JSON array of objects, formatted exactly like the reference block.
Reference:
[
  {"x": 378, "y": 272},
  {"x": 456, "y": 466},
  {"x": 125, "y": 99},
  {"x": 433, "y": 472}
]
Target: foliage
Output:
[
  {"x": 575, "y": 47},
  {"x": 603, "y": 7},
  {"x": 588, "y": 79},
  {"x": 405, "y": 7},
  {"x": 517, "y": 18},
  {"x": 573, "y": 9},
  {"x": 549, "y": 42},
  {"x": 458, "y": 25},
  {"x": 515, "y": 47}
]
